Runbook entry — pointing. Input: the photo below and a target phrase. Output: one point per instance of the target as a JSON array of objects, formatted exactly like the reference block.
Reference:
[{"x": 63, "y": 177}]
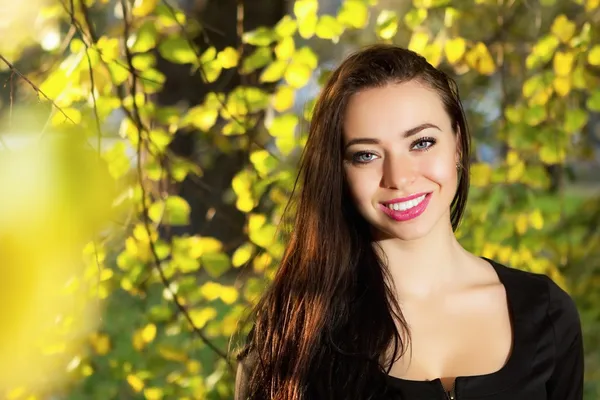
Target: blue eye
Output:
[
  {"x": 423, "y": 144},
  {"x": 363, "y": 157}
]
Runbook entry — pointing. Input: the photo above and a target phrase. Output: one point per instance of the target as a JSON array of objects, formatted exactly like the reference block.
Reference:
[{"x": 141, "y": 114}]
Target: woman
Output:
[{"x": 375, "y": 298}]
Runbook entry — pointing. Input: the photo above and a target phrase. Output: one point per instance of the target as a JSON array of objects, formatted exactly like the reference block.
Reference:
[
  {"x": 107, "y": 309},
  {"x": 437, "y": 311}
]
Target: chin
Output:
[{"x": 406, "y": 231}]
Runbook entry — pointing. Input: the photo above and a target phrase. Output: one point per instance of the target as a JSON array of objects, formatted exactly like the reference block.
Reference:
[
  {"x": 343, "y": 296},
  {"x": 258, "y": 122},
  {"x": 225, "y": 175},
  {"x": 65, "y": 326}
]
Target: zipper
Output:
[{"x": 451, "y": 394}]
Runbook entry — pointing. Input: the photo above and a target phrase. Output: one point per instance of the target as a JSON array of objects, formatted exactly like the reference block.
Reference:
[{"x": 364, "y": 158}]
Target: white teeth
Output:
[{"x": 406, "y": 205}]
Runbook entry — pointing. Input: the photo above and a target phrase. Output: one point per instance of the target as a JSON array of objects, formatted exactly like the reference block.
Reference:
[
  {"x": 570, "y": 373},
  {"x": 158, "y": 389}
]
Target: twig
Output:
[
  {"x": 145, "y": 216},
  {"x": 34, "y": 86}
]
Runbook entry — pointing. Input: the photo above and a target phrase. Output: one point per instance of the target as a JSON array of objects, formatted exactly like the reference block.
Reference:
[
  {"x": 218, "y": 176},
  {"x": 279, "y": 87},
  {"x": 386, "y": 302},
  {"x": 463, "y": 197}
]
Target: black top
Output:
[{"x": 546, "y": 362}]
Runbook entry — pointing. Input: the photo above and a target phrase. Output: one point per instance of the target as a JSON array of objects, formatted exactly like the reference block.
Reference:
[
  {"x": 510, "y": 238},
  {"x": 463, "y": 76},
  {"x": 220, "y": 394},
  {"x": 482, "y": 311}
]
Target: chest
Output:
[{"x": 463, "y": 336}]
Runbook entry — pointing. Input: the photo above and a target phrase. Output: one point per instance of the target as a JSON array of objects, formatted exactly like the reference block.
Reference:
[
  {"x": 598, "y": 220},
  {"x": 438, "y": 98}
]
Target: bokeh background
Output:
[{"x": 148, "y": 148}]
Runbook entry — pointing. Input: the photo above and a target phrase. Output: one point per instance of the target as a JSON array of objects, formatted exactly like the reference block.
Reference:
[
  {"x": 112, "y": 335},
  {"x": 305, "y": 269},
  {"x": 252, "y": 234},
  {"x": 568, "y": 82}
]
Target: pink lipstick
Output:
[{"x": 406, "y": 208}]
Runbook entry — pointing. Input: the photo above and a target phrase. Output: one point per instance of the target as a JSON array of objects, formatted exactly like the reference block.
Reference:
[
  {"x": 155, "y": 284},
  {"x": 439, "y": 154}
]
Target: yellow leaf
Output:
[
  {"x": 521, "y": 224},
  {"x": 262, "y": 262},
  {"x": 563, "y": 63},
  {"x": 481, "y": 174},
  {"x": 100, "y": 342},
  {"x": 562, "y": 85},
  {"x": 244, "y": 203},
  {"x": 149, "y": 333},
  {"x": 136, "y": 383},
  {"x": 328, "y": 27},
  {"x": 592, "y": 5},
  {"x": 354, "y": 13},
  {"x": 201, "y": 317},
  {"x": 172, "y": 354},
  {"x": 138, "y": 341},
  {"x": 228, "y": 57},
  {"x": 307, "y": 26},
  {"x": 433, "y": 53},
  {"x": 274, "y": 71},
  {"x": 229, "y": 294},
  {"x": 563, "y": 28},
  {"x": 480, "y": 59},
  {"x": 242, "y": 254},
  {"x": 303, "y": 8},
  {"x": 512, "y": 158},
  {"x": 283, "y": 99},
  {"x": 536, "y": 219},
  {"x": 285, "y": 48},
  {"x": 211, "y": 290},
  {"x": 193, "y": 367},
  {"x": 552, "y": 154},
  {"x": 455, "y": 49},
  {"x": 153, "y": 393},
  {"x": 297, "y": 75},
  {"x": 594, "y": 55},
  {"x": 515, "y": 172},
  {"x": 141, "y": 8},
  {"x": 418, "y": 42},
  {"x": 387, "y": 24}
]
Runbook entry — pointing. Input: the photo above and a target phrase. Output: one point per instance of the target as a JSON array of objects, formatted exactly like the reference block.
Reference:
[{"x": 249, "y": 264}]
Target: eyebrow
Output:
[{"x": 406, "y": 134}]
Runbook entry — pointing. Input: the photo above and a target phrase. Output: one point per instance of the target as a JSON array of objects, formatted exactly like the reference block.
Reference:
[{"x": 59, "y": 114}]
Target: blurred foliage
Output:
[{"x": 529, "y": 74}]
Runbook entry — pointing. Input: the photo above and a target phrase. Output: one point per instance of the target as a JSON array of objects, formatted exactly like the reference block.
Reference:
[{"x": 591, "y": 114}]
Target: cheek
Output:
[
  {"x": 440, "y": 169},
  {"x": 362, "y": 185}
]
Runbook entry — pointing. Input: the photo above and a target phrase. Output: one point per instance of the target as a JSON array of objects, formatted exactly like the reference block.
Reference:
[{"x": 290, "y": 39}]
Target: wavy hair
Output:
[{"x": 327, "y": 326}]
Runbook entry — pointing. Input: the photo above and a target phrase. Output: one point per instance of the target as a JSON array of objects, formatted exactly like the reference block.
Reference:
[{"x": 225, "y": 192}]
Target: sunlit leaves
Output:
[
  {"x": 200, "y": 317},
  {"x": 274, "y": 71},
  {"x": 354, "y": 14},
  {"x": 542, "y": 51},
  {"x": 283, "y": 98},
  {"x": 415, "y": 17},
  {"x": 563, "y": 28},
  {"x": 178, "y": 50},
  {"x": 593, "y": 102},
  {"x": 261, "y": 36},
  {"x": 136, "y": 383},
  {"x": 563, "y": 63},
  {"x": 285, "y": 48},
  {"x": 242, "y": 254},
  {"x": 480, "y": 59},
  {"x": 257, "y": 59},
  {"x": 174, "y": 211},
  {"x": 286, "y": 27},
  {"x": 228, "y": 57},
  {"x": 594, "y": 56},
  {"x": 329, "y": 28},
  {"x": 575, "y": 120},
  {"x": 215, "y": 263},
  {"x": 418, "y": 42},
  {"x": 213, "y": 290},
  {"x": 306, "y": 14},
  {"x": 481, "y": 174},
  {"x": 454, "y": 49},
  {"x": 387, "y": 24}
]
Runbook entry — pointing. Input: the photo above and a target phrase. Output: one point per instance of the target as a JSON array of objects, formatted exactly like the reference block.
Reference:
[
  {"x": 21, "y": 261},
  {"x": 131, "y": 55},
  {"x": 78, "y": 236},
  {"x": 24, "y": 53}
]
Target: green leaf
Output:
[
  {"x": 354, "y": 14},
  {"x": 215, "y": 264},
  {"x": 145, "y": 38},
  {"x": 258, "y": 59},
  {"x": 261, "y": 36},
  {"x": 174, "y": 211},
  {"x": 593, "y": 102},
  {"x": 177, "y": 50},
  {"x": 160, "y": 139},
  {"x": 201, "y": 117},
  {"x": 274, "y": 71},
  {"x": 535, "y": 115},
  {"x": 550, "y": 154},
  {"x": 117, "y": 160},
  {"x": 575, "y": 120}
]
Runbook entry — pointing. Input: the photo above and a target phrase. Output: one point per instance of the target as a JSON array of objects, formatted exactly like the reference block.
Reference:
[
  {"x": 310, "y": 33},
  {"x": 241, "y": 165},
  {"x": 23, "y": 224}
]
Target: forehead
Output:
[{"x": 392, "y": 109}]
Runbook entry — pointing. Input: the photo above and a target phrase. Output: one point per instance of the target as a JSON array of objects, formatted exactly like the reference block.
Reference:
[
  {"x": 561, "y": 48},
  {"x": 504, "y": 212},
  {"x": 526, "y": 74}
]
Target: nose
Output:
[{"x": 398, "y": 172}]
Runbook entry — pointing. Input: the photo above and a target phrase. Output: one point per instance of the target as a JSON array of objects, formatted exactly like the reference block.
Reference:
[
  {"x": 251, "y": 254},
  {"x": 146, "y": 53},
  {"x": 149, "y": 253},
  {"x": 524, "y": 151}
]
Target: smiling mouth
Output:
[{"x": 407, "y": 209}]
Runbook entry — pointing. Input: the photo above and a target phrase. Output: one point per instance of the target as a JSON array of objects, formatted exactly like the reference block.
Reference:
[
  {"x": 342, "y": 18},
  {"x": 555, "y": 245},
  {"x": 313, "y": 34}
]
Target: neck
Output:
[{"x": 423, "y": 267}]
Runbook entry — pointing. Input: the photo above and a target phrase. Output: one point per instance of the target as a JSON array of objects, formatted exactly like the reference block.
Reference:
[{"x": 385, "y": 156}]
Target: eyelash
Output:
[{"x": 430, "y": 140}]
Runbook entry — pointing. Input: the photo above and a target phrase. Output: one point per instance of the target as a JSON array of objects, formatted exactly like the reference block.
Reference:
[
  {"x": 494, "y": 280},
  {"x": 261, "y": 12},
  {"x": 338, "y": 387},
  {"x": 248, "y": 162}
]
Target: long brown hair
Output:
[{"x": 322, "y": 327}]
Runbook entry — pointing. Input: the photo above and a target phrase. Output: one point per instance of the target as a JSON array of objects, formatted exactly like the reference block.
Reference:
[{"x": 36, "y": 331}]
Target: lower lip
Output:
[{"x": 407, "y": 215}]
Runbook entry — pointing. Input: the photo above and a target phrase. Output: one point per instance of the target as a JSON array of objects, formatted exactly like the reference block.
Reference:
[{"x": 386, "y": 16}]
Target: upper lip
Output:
[{"x": 403, "y": 199}]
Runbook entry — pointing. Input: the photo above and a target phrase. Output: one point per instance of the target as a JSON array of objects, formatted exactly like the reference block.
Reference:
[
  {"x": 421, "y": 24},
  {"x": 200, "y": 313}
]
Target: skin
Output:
[{"x": 453, "y": 301}]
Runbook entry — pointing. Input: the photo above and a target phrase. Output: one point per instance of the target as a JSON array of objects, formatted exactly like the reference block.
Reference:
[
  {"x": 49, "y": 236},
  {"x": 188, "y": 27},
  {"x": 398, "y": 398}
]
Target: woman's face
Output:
[{"x": 400, "y": 156}]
